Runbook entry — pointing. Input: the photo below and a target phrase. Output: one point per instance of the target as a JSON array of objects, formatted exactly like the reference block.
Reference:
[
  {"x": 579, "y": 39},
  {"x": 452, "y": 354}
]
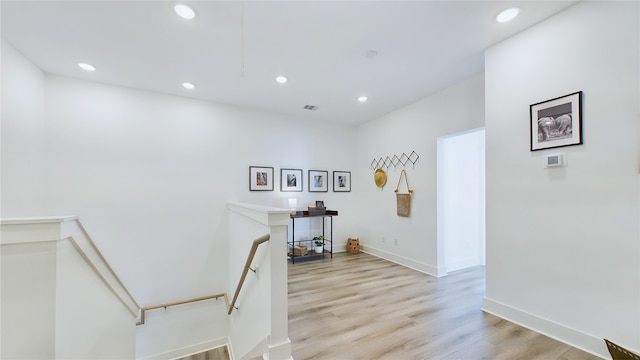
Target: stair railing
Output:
[
  {"x": 247, "y": 267},
  {"x": 230, "y": 307},
  {"x": 166, "y": 305}
]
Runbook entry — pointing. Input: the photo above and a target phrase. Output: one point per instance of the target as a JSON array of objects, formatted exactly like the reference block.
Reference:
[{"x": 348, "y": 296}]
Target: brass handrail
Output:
[
  {"x": 147, "y": 308},
  {"x": 247, "y": 265},
  {"x": 252, "y": 253}
]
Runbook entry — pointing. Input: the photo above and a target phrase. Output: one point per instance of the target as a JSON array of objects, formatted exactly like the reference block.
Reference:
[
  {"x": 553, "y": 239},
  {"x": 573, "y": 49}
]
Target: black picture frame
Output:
[
  {"x": 260, "y": 178},
  {"x": 556, "y": 122},
  {"x": 341, "y": 181},
  {"x": 291, "y": 180},
  {"x": 318, "y": 181}
]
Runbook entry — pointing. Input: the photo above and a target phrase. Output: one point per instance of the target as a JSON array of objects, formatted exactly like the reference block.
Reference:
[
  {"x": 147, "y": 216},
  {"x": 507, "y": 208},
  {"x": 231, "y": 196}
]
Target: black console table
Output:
[{"x": 326, "y": 242}]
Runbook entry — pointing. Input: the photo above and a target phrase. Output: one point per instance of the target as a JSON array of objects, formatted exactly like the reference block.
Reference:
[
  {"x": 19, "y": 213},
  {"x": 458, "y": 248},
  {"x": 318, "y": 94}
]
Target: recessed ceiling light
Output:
[
  {"x": 371, "y": 54},
  {"x": 363, "y": 99},
  {"x": 184, "y": 11},
  {"x": 86, "y": 67},
  {"x": 189, "y": 86},
  {"x": 507, "y": 15},
  {"x": 281, "y": 79}
]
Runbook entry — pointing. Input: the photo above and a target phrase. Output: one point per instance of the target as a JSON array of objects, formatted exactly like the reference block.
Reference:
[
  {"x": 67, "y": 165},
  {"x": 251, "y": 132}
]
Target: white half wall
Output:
[
  {"x": 563, "y": 244},
  {"x": 28, "y": 276},
  {"x": 262, "y": 303},
  {"x": 59, "y": 298},
  {"x": 412, "y": 241}
]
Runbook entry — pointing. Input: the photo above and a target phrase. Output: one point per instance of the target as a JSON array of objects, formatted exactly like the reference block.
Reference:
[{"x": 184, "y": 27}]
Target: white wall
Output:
[
  {"x": 90, "y": 320},
  {"x": 563, "y": 253},
  {"x": 22, "y": 188},
  {"x": 413, "y": 128},
  {"x": 22, "y": 136},
  {"x": 150, "y": 176},
  {"x": 164, "y": 167}
]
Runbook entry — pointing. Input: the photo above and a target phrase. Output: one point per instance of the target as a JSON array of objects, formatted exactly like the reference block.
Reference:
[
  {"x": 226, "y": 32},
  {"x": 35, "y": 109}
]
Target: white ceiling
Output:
[{"x": 233, "y": 50}]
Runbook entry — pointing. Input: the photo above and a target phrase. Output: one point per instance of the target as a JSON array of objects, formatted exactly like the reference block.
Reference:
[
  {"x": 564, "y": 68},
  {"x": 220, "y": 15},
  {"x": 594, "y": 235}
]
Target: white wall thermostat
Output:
[{"x": 554, "y": 160}]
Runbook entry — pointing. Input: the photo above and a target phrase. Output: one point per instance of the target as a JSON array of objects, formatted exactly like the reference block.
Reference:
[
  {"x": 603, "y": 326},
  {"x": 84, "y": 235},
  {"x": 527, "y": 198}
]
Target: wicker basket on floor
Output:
[{"x": 353, "y": 246}]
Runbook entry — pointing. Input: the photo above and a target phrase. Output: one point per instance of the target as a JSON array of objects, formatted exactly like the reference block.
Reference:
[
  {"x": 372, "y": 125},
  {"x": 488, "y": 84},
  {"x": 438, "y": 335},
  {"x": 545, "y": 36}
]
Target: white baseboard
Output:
[
  {"x": 567, "y": 335},
  {"x": 412, "y": 264},
  {"x": 463, "y": 264},
  {"x": 190, "y": 350}
]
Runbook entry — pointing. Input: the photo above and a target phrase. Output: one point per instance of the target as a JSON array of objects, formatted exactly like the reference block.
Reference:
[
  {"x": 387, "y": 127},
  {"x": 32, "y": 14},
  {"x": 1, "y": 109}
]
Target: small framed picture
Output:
[
  {"x": 290, "y": 179},
  {"x": 318, "y": 181},
  {"x": 342, "y": 181},
  {"x": 556, "y": 122},
  {"x": 260, "y": 178}
]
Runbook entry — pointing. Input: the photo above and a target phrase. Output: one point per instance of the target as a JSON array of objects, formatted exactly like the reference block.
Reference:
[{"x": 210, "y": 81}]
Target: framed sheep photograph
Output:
[{"x": 556, "y": 122}]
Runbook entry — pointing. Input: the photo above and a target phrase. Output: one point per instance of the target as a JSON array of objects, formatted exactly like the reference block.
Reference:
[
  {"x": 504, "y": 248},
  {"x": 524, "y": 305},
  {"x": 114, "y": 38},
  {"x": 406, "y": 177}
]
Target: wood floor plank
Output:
[
  {"x": 219, "y": 353},
  {"x": 355, "y": 307}
]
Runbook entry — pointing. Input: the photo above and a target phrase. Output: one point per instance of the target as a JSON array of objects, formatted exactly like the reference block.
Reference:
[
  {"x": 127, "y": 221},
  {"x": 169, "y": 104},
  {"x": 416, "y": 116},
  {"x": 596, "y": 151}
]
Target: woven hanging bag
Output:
[{"x": 403, "y": 200}]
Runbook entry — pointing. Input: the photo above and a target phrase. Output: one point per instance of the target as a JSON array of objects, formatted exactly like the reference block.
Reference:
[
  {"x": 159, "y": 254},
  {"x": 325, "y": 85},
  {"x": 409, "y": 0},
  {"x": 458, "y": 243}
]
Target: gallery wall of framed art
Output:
[{"x": 262, "y": 178}]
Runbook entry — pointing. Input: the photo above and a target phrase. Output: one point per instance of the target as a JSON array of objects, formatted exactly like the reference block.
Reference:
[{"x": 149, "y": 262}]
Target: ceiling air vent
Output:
[{"x": 311, "y": 107}]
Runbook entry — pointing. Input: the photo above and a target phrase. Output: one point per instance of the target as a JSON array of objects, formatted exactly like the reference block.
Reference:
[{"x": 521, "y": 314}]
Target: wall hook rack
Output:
[{"x": 395, "y": 160}]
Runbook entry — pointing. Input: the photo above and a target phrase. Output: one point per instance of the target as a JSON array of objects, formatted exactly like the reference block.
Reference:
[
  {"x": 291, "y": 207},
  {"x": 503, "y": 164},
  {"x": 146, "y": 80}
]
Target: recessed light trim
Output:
[
  {"x": 188, "y": 86},
  {"x": 281, "y": 79},
  {"x": 184, "y": 11},
  {"x": 363, "y": 99},
  {"x": 86, "y": 67},
  {"x": 507, "y": 15}
]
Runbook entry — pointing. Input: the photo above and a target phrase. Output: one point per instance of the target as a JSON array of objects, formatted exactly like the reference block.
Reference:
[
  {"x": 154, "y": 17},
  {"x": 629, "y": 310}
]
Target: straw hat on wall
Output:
[{"x": 380, "y": 177}]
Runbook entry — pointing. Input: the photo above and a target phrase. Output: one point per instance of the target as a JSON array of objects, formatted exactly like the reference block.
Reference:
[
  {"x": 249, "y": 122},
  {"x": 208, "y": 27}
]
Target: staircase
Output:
[
  {"x": 56, "y": 286},
  {"x": 62, "y": 300}
]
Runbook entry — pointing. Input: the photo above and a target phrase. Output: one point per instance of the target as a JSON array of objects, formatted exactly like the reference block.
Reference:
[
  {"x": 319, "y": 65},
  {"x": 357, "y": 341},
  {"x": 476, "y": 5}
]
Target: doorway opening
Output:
[{"x": 461, "y": 200}]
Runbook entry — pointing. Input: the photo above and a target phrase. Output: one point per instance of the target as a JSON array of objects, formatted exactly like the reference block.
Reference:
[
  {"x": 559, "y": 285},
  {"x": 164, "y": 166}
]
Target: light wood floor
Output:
[
  {"x": 220, "y": 353},
  {"x": 361, "y": 307}
]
